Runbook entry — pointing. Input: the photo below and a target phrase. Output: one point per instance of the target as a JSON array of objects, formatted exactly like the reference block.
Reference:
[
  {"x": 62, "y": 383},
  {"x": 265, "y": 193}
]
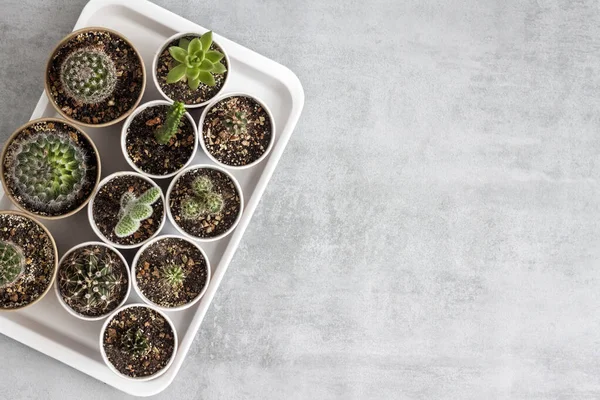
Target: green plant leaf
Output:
[
  {"x": 206, "y": 66},
  {"x": 214, "y": 56},
  {"x": 176, "y": 74},
  {"x": 206, "y": 78},
  {"x": 184, "y": 43},
  {"x": 206, "y": 40},
  {"x": 192, "y": 73},
  {"x": 218, "y": 68},
  {"x": 194, "y": 83},
  {"x": 195, "y": 46},
  {"x": 178, "y": 53}
]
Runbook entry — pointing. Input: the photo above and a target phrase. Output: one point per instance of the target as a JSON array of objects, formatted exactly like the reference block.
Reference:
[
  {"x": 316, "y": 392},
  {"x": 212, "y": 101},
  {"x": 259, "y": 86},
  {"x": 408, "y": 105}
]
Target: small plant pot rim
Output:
[
  {"x": 237, "y": 186},
  {"x": 226, "y": 96},
  {"x": 65, "y": 40},
  {"x": 124, "y": 138},
  {"x": 91, "y": 210},
  {"x": 162, "y": 48},
  {"x": 148, "y": 301},
  {"x": 103, "y": 352},
  {"x": 5, "y": 185},
  {"x": 22, "y": 214},
  {"x": 59, "y": 295}
]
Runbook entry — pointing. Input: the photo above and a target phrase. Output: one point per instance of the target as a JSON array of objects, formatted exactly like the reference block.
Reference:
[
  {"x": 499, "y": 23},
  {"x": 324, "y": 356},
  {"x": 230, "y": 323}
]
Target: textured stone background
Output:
[{"x": 432, "y": 231}]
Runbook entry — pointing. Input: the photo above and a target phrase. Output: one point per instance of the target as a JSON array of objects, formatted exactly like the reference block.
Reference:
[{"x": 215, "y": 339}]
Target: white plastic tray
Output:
[{"x": 46, "y": 326}]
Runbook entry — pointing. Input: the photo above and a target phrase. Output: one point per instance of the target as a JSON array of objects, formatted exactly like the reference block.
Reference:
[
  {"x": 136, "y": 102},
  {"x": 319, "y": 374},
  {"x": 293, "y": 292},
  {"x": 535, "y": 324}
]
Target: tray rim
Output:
[{"x": 290, "y": 81}]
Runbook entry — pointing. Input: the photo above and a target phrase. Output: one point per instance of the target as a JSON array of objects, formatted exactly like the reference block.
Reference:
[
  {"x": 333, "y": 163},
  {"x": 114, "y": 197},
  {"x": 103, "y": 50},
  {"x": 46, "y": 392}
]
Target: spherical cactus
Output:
[
  {"x": 236, "y": 123},
  {"x": 88, "y": 75},
  {"x": 202, "y": 185},
  {"x": 172, "y": 275},
  {"x": 49, "y": 170},
  {"x": 12, "y": 263},
  {"x": 135, "y": 342},
  {"x": 91, "y": 279},
  {"x": 134, "y": 210},
  {"x": 214, "y": 202},
  {"x": 191, "y": 208},
  {"x": 203, "y": 200}
]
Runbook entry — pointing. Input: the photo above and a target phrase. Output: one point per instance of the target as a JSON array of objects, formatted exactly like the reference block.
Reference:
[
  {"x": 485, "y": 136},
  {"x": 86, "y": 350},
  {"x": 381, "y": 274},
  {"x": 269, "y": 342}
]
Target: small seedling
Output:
[
  {"x": 12, "y": 263},
  {"x": 135, "y": 342},
  {"x": 164, "y": 134},
  {"x": 195, "y": 62},
  {"x": 236, "y": 123},
  {"x": 88, "y": 75},
  {"x": 134, "y": 210},
  {"x": 172, "y": 275}
]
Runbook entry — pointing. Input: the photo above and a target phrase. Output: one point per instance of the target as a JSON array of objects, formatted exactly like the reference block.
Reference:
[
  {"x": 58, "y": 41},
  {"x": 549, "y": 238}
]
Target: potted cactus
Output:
[
  {"x": 28, "y": 259},
  {"x": 159, "y": 139},
  {"x": 92, "y": 281},
  {"x": 205, "y": 202},
  {"x": 127, "y": 210},
  {"x": 190, "y": 68},
  {"x": 138, "y": 342},
  {"x": 237, "y": 130},
  {"x": 95, "y": 77},
  {"x": 50, "y": 168},
  {"x": 171, "y": 273}
]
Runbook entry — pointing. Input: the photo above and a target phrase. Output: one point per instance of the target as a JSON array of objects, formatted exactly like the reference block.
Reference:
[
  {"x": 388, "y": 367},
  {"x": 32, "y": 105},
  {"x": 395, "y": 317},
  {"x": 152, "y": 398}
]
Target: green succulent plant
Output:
[
  {"x": 204, "y": 201},
  {"x": 164, "y": 134},
  {"x": 49, "y": 171},
  {"x": 172, "y": 275},
  {"x": 88, "y": 75},
  {"x": 134, "y": 210},
  {"x": 135, "y": 342},
  {"x": 12, "y": 263},
  {"x": 91, "y": 279},
  {"x": 236, "y": 123},
  {"x": 195, "y": 62}
]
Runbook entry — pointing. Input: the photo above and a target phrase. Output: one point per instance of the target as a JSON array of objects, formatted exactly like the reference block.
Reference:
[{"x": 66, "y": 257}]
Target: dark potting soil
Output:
[
  {"x": 156, "y": 330},
  {"x": 107, "y": 258},
  {"x": 180, "y": 91},
  {"x": 169, "y": 252},
  {"x": 206, "y": 226},
  {"x": 149, "y": 155},
  {"x": 40, "y": 261},
  {"x": 230, "y": 147},
  {"x": 129, "y": 86},
  {"x": 50, "y": 128},
  {"x": 107, "y": 203}
]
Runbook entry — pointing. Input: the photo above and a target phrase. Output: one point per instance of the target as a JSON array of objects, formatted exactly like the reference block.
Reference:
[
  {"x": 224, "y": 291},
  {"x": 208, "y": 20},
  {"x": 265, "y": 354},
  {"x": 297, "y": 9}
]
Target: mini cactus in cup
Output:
[
  {"x": 204, "y": 200},
  {"x": 134, "y": 210},
  {"x": 236, "y": 123},
  {"x": 164, "y": 134},
  {"x": 172, "y": 275},
  {"x": 195, "y": 62},
  {"x": 88, "y": 75},
  {"x": 49, "y": 171},
  {"x": 11, "y": 263},
  {"x": 135, "y": 342}
]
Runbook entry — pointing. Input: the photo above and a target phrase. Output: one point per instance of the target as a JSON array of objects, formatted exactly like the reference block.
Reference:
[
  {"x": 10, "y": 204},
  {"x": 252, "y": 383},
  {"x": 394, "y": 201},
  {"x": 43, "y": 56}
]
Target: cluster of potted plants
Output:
[{"x": 51, "y": 169}]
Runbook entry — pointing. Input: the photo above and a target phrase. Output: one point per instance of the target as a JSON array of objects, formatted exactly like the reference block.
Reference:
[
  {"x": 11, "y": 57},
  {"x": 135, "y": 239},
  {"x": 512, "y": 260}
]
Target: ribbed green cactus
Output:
[
  {"x": 91, "y": 279},
  {"x": 236, "y": 123},
  {"x": 135, "y": 342},
  {"x": 88, "y": 75},
  {"x": 204, "y": 201},
  {"x": 134, "y": 210},
  {"x": 164, "y": 134},
  {"x": 196, "y": 62},
  {"x": 12, "y": 263},
  {"x": 49, "y": 170},
  {"x": 172, "y": 275}
]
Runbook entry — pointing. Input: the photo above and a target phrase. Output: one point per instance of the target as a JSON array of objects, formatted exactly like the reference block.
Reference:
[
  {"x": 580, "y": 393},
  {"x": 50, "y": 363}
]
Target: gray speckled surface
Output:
[{"x": 432, "y": 229}]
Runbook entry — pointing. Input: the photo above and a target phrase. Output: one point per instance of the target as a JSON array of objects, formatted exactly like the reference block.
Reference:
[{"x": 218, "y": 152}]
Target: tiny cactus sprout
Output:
[
  {"x": 88, "y": 75},
  {"x": 172, "y": 275},
  {"x": 135, "y": 342},
  {"x": 195, "y": 62},
  {"x": 164, "y": 134},
  {"x": 236, "y": 123},
  {"x": 12, "y": 263},
  {"x": 50, "y": 171},
  {"x": 134, "y": 210},
  {"x": 91, "y": 280},
  {"x": 204, "y": 201}
]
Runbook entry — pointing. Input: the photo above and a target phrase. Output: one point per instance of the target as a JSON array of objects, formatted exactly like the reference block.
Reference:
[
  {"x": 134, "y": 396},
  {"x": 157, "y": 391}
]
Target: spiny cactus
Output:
[
  {"x": 172, "y": 275},
  {"x": 134, "y": 210},
  {"x": 204, "y": 200},
  {"x": 12, "y": 263},
  {"x": 164, "y": 134},
  {"x": 49, "y": 170},
  {"x": 236, "y": 123},
  {"x": 91, "y": 279},
  {"x": 195, "y": 62},
  {"x": 135, "y": 342},
  {"x": 88, "y": 75}
]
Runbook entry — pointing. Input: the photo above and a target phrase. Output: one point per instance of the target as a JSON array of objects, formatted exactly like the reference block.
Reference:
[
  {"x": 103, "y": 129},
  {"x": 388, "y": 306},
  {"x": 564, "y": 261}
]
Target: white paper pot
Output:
[
  {"x": 211, "y": 105},
  {"x": 57, "y": 289},
  {"x": 148, "y": 301}
]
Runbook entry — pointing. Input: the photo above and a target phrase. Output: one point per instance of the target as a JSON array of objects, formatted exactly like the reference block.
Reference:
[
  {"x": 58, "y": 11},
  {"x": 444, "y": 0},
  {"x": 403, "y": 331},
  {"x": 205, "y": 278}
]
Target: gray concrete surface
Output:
[{"x": 433, "y": 229}]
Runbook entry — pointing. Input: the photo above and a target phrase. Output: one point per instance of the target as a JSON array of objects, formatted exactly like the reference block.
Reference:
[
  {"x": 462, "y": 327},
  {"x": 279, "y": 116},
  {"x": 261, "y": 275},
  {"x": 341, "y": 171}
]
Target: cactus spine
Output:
[
  {"x": 88, "y": 75},
  {"x": 164, "y": 134},
  {"x": 204, "y": 200},
  {"x": 134, "y": 210},
  {"x": 12, "y": 263}
]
